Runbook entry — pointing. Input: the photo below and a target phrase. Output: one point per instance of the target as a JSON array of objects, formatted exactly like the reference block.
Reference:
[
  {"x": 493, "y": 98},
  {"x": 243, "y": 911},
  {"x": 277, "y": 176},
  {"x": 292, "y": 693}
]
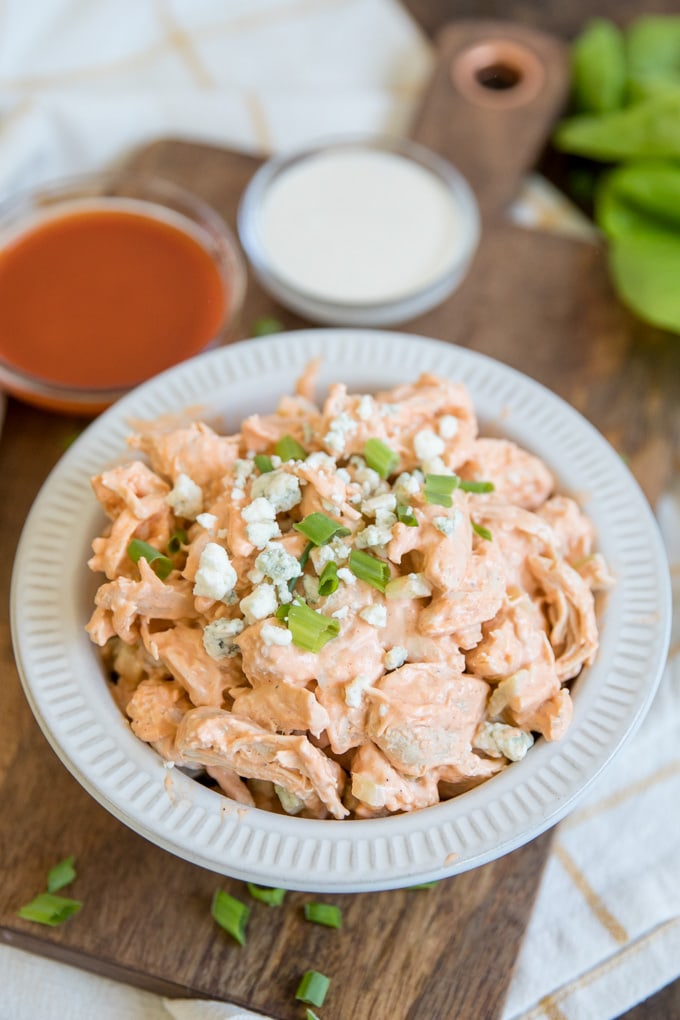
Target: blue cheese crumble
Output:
[
  {"x": 186, "y": 498},
  {"x": 218, "y": 638},
  {"x": 215, "y": 577}
]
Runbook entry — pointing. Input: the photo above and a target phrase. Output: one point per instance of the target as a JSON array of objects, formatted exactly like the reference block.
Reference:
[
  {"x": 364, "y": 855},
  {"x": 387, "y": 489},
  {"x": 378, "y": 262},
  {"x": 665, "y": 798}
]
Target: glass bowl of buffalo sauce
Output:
[{"x": 106, "y": 281}]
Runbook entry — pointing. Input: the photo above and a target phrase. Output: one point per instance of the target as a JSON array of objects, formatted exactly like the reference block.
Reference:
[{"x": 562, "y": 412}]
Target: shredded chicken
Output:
[{"x": 414, "y": 646}]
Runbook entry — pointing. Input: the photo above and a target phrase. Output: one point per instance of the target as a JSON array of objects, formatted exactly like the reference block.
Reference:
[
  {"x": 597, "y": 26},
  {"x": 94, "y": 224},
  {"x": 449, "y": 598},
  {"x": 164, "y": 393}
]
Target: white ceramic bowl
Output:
[{"x": 53, "y": 590}]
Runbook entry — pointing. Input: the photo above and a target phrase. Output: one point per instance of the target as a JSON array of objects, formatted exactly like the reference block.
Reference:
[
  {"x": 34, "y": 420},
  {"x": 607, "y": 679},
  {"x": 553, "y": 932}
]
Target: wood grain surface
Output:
[{"x": 540, "y": 303}]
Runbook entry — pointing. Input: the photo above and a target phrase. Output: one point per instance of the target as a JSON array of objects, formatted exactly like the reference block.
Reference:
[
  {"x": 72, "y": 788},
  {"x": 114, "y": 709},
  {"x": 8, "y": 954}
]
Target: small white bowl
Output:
[
  {"x": 53, "y": 591},
  {"x": 359, "y": 231}
]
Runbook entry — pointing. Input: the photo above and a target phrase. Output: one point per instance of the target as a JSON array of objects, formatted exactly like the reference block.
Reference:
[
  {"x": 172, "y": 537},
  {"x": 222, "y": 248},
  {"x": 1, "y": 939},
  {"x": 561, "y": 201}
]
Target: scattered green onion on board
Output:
[
  {"x": 483, "y": 532},
  {"x": 380, "y": 457},
  {"x": 267, "y": 325},
  {"x": 61, "y": 874},
  {"x": 70, "y": 440},
  {"x": 324, "y": 913},
  {"x": 230, "y": 914},
  {"x": 369, "y": 568},
  {"x": 263, "y": 463},
  {"x": 310, "y": 1014},
  {"x": 138, "y": 550},
  {"x": 273, "y": 897},
  {"x": 422, "y": 886},
  {"x": 313, "y": 988},
  {"x": 328, "y": 582},
  {"x": 319, "y": 528},
  {"x": 288, "y": 448},
  {"x": 49, "y": 909}
]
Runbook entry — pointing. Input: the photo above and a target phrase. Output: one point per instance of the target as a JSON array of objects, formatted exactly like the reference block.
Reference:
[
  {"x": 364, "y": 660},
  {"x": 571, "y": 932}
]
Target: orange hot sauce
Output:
[{"x": 104, "y": 298}]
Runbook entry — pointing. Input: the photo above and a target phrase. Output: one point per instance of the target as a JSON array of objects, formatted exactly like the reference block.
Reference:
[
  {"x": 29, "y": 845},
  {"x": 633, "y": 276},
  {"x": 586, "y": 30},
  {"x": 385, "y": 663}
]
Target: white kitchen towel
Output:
[
  {"x": 605, "y": 931},
  {"x": 81, "y": 84}
]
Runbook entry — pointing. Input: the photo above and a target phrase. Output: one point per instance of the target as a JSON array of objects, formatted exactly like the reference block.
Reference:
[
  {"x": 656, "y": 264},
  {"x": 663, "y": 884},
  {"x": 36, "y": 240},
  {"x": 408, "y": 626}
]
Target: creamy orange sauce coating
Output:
[{"x": 431, "y": 680}]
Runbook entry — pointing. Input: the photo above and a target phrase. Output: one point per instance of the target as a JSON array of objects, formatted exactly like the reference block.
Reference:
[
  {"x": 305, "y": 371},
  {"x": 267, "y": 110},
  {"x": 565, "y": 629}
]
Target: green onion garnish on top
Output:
[
  {"x": 176, "y": 541},
  {"x": 476, "y": 486},
  {"x": 328, "y": 582},
  {"x": 274, "y": 897},
  {"x": 369, "y": 568},
  {"x": 303, "y": 563},
  {"x": 263, "y": 463},
  {"x": 406, "y": 516},
  {"x": 438, "y": 489},
  {"x": 324, "y": 913},
  {"x": 230, "y": 914},
  {"x": 320, "y": 529},
  {"x": 61, "y": 874},
  {"x": 50, "y": 909},
  {"x": 481, "y": 531},
  {"x": 138, "y": 550},
  {"x": 310, "y": 630},
  {"x": 288, "y": 448},
  {"x": 305, "y": 556},
  {"x": 313, "y": 988},
  {"x": 380, "y": 457}
]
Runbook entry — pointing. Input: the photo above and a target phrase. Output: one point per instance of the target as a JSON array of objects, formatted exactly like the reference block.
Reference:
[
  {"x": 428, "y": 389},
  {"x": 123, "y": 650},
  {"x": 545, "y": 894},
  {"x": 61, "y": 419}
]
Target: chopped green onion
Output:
[
  {"x": 423, "y": 885},
  {"x": 328, "y": 582},
  {"x": 320, "y": 529},
  {"x": 380, "y": 457},
  {"x": 263, "y": 463},
  {"x": 282, "y": 612},
  {"x": 406, "y": 516},
  {"x": 274, "y": 897},
  {"x": 61, "y": 874},
  {"x": 438, "y": 489},
  {"x": 476, "y": 486},
  {"x": 324, "y": 913},
  {"x": 138, "y": 550},
  {"x": 305, "y": 555},
  {"x": 369, "y": 568},
  {"x": 176, "y": 541},
  {"x": 50, "y": 909},
  {"x": 310, "y": 1015},
  {"x": 303, "y": 563},
  {"x": 230, "y": 914},
  {"x": 310, "y": 630},
  {"x": 313, "y": 988},
  {"x": 288, "y": 448},
  {"x": 267, "y": 325},
  {"x": 481, "y": 531},
  {"x": 70, "y": 440}
]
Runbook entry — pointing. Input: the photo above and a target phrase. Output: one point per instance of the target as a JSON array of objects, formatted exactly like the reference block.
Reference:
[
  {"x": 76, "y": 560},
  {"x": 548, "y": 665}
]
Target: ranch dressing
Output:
[{"x": 361, "y": 226}]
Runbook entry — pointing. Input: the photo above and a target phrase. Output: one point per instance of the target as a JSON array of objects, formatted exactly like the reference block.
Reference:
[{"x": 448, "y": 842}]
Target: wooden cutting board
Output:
[{"x": 538, "y": 302}]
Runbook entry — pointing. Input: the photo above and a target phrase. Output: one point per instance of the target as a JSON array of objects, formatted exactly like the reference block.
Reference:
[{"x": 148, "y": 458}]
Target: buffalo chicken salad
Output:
[{"x": 346, "y": 610}]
